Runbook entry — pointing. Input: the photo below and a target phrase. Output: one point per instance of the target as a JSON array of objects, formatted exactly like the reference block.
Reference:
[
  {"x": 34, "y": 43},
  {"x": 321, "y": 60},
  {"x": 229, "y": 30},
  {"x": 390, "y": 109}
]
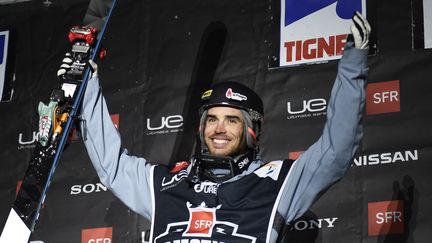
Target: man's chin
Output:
[{"x": 219, "y": 153}]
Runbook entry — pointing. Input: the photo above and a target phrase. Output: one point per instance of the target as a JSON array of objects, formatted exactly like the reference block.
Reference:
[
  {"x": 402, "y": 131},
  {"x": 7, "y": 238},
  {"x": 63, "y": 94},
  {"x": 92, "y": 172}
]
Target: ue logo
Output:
[{"x": 295, "y": 9}]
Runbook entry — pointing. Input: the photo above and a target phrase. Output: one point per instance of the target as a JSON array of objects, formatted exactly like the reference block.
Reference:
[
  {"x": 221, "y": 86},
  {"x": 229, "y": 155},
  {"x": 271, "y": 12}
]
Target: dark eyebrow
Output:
[
  {"x": 233, "y": 117},
  {"x": 226, "y": 116}
]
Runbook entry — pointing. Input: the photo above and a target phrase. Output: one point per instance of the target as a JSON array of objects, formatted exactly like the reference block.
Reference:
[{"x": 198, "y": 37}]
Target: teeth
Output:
[{"x": 220, "y": 141}]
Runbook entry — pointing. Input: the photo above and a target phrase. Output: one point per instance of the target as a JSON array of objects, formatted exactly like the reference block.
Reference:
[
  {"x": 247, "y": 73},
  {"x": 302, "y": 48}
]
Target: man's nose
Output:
[{"x": 220, "y": 128}]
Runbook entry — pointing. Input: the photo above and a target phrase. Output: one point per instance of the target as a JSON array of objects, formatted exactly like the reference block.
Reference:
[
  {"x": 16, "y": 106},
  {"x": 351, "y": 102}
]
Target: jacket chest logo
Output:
[{"x": 202, "y": 226}]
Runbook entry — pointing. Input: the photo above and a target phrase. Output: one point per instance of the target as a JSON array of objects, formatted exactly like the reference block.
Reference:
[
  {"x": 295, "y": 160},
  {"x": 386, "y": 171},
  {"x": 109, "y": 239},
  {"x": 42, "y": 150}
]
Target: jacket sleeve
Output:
[
  {"x": 128, "y": 177},
  {"x": 327, "y": 161}
]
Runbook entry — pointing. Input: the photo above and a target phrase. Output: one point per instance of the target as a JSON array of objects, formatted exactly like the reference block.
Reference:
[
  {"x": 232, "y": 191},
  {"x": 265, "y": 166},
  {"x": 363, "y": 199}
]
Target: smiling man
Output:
[
  {"x": 227, "y": 193},
  {"x": 223, "y": 131}
]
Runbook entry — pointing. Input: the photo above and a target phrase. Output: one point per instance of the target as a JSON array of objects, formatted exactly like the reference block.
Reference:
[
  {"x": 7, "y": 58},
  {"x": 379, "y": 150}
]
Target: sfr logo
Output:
[
  {"x": 383, "y": 97},
  {"x": 385, "y": 218},
  {"x": 97, "y": 235}
]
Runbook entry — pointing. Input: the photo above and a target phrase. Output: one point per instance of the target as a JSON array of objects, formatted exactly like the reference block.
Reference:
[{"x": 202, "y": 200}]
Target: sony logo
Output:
[
  {"x": 87, "y": 188},
  {"x": 314, "y": 224}
]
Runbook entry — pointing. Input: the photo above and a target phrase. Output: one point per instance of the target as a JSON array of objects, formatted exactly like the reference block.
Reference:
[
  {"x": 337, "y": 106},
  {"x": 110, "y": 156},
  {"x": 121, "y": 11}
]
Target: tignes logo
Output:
[
  {"x": 327, "y": 22},
  {"x": 28, "y": 141},
  {"x": 97, "y": 235},
  {"x": 383, "y": 97},
  {"x": 386, "y": 217},
  {"x": 306, "y": 108},
  {"x": 386, "y": 158},
  {"x": 164, "y": 125},
  {"x": 314, "y": 48}
]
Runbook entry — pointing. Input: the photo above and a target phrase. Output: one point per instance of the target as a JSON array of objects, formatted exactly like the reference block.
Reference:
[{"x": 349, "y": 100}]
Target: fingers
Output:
[
  {"x": 94, "y": 67},
  {"x": 74, "y": 68},
  {"x": 361, "y": 30},
  {"x": 66, "y": 65}
]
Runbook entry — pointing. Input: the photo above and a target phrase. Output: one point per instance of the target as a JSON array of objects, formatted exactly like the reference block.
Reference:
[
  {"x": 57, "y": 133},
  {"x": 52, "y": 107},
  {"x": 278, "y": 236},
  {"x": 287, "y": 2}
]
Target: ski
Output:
[{"x": 56, "y": 121}]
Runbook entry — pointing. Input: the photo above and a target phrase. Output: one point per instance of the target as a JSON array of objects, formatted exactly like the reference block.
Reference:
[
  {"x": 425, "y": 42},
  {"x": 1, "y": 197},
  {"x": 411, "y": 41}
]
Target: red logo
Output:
[
  {"x": 315, "y": 48},
  {"x": 116, "y": 120},
  {"x": 294, "y": 155},
  {"x": 18, "y": 187},
  {"x": 234, "y": 96},
  {"x": 229, "y": 93},
  {"x": 383, "y": 97},
  {"x": 201, "y": 220},
  {"x": 97, "y": 235},
  {"x": 179, "y": 166},
  {"x": 385, "y": 218}
]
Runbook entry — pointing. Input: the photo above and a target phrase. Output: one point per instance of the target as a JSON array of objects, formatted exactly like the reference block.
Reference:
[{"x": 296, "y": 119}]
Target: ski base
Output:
[{"x": 15, "y": 230}]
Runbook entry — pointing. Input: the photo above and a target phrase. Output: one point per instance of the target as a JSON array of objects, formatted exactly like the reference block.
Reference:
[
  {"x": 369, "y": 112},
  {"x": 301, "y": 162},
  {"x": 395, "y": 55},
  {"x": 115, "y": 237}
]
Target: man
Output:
[{"x": 226, "y": 193}]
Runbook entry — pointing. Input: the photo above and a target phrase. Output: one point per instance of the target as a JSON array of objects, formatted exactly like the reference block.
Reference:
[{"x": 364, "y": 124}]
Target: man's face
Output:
[{"x": 223, "y": 132}]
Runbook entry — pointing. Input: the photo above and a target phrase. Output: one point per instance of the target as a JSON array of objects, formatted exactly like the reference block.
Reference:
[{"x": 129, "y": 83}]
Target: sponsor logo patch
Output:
[
  {"x": 179, "y": 166},
  {"x": 315, "y": 31},
  {"x": 166, "y": 125},
  {"x": 385, "y": 217},
  {"x": 171, "y": 181},
  {"x": 271, "y": 170},
  {"x": 207, "y": 94},
  {"x": 202, "y": 226},
  {"x": 206, "y": 187},
  {"x": 387, "y": 158},
  {"x": 230, "y": 94},
  {"x": 97, "y": 235},
  {"x": 306, "y": 108},
  {"x": 383, "y": 97}
]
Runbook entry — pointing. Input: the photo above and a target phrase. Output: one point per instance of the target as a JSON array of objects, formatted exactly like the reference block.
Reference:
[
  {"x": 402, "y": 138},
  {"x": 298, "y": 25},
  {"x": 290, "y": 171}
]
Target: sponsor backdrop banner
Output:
[
  {"x": 151, "y": 70},
  {"x": 315, "y": 31}
]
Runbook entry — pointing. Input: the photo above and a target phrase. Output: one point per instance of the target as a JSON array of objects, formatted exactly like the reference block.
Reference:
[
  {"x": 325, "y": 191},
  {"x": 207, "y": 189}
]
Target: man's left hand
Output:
[{"x": 360, "y": 30}]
